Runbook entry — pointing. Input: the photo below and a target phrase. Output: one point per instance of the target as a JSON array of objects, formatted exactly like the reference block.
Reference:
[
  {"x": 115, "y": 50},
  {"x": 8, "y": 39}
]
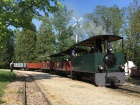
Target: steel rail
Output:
[
  {"x": 133, "y": 89},
  {"x": 47, "y": 100},
  {"x": 24, "y": 92}
]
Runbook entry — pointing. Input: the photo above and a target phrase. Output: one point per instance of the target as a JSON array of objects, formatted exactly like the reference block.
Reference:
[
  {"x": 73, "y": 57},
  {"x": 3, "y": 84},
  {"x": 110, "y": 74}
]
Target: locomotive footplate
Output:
[{"x": 112, "y": 79}]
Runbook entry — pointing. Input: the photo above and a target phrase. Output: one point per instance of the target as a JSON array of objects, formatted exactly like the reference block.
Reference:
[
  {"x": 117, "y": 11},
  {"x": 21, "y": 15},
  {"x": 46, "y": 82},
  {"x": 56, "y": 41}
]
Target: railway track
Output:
[
  {"x": 130, "y": 89},
  {"x": 47, "y": 100},
  {"x": 32, "y": 92},
  {"x": 127, "y": 89}
]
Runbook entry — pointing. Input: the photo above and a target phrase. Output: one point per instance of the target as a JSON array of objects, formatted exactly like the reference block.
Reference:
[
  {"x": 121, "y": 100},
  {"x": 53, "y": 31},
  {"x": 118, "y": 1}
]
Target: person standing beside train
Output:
[{"x": 11, "y": 66}]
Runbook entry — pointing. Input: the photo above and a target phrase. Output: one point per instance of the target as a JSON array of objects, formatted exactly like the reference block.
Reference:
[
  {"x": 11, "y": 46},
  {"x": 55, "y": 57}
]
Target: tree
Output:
[
  {"x": 25, "y": 45},
  {"x": 6, "y": 53},
  {"x": 91, "y": 27},
  {"x": 132, "y": 31},
  {"x": 116, "y": 20},
  {"x": 105, "y": 20},
  {"x": 4, "y": 56},
  {"x": 19, "y": 13},
  {"x": 17, "y": 46},
  {"x": 63, "y": 32},
  {"x": 110, "y": 18},
  {"x": 45, "y": 44}
]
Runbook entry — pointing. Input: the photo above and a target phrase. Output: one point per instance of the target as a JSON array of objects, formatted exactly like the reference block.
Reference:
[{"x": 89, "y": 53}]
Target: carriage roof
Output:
[
  {"x": 91, "y": 41},
  {"x": 88, "y": 42},
  {"x": 68, "y": 52},
  {"x": 78, "y": 50}
]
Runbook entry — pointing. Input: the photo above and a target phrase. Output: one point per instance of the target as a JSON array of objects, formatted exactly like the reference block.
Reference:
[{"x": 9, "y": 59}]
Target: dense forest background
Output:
[{"x": 27, "y": 44}]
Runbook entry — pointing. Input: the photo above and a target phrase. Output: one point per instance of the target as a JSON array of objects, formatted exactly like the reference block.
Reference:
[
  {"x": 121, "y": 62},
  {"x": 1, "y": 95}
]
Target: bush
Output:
[{"x": 5, "y": 78}]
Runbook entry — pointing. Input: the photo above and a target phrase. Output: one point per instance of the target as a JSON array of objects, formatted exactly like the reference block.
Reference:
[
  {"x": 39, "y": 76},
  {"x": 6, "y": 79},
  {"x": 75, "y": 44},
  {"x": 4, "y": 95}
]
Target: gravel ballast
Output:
[{"x": 71, "y": 92}]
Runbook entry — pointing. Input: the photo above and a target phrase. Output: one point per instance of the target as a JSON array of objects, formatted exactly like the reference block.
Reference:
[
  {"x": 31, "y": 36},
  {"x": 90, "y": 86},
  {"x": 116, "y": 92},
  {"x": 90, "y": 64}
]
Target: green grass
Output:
[{"x": 5, "y": 78}]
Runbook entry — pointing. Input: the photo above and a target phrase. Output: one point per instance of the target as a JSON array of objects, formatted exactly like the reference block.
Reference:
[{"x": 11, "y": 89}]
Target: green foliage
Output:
[
  {"x": 63, "y": 32},
  {"x": 4, "y": 57},
  {"x": 17, "y": 48},
  {"x": 110, "y": 18},
  {"x": 105, "y": 20},
  {"x": 45, "y": 40},
  {"x": 2, "y": 86},
  {"x": 91, "y": 27},
  {"x": 19, "y": 13},
  {"x": 132, "y": 31},
  {"x": 25, "y": 45},
  {"x": 6, "y": 53},
  {"x": 5, "y": 78}
]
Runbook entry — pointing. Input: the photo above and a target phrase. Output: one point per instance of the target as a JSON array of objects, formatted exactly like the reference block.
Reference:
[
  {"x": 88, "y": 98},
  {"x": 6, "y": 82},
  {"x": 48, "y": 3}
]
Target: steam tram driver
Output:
[{"x": 98, "y": 45}]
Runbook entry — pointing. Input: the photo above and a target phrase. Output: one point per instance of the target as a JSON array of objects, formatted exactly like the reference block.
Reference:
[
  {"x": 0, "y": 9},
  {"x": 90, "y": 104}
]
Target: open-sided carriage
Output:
[{"x": 62, "y": 61}]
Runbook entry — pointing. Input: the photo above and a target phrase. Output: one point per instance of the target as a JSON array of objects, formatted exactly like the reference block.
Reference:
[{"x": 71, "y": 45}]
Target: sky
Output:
[{"x": 81, "y": 7}]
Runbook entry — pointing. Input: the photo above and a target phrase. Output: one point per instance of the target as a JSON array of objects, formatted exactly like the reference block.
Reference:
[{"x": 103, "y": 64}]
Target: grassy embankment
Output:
[{"x": 5, "y": 78}]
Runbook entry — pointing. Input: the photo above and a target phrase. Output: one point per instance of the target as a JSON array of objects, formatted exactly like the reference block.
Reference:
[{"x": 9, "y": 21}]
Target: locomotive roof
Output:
[
  {"x": 68, "y": 52},
  {"x": 91, "y": 41}
]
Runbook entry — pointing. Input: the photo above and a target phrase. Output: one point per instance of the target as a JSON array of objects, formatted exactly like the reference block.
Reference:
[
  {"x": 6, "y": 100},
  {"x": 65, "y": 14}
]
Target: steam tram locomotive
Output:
[{"x": 100, "y": 65}]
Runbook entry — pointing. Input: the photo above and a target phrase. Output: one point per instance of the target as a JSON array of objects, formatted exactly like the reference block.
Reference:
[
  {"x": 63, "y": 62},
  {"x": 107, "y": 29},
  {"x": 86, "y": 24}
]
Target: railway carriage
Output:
[
  {"x": 62, "y": 66},
  {"x": 57, "y": 65},
  {"x": 19, "y": 65},
  {"x": 103, "y": 66},
  {"x": 33, "y": 66},
  {"x": 47, "y": 66},
  {"x": 63, "y": 63}
]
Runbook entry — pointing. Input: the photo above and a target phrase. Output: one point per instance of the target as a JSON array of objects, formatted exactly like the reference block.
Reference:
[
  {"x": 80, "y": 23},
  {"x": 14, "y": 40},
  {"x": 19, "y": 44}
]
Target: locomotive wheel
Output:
[
  {"x": 77, "y": 76},
  {"x": 113, "y": 85},
  {"x": 73, "y": 75},
  {"x": 54, "y": 72}
]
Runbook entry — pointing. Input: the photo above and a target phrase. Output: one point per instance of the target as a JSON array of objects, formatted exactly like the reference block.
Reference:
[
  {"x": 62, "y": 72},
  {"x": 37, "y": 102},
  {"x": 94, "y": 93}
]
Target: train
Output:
[{"x": 95, "y": 61}]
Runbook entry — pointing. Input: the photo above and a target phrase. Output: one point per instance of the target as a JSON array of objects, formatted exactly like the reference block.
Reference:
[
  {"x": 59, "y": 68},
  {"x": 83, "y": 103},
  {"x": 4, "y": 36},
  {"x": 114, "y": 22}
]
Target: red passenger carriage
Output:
[
  {"x": 47, "y": 66},
  {"x": 64, "y": 65},
  {"x": 60, "y": 66},
  {"x": 33, "y": 66}
]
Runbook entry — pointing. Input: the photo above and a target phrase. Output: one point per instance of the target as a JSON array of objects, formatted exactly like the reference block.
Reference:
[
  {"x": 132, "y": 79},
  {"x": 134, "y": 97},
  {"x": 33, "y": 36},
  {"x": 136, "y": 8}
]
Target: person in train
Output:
[{"x": 73, "y": 53}]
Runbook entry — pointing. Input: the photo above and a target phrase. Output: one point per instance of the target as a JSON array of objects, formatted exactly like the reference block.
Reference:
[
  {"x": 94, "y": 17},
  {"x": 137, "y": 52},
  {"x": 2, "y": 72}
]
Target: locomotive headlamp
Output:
[
  {"x": 121, "y": 67},
  {"x": 100, "y": 68},
  {"x": 110, "y": 49}
]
